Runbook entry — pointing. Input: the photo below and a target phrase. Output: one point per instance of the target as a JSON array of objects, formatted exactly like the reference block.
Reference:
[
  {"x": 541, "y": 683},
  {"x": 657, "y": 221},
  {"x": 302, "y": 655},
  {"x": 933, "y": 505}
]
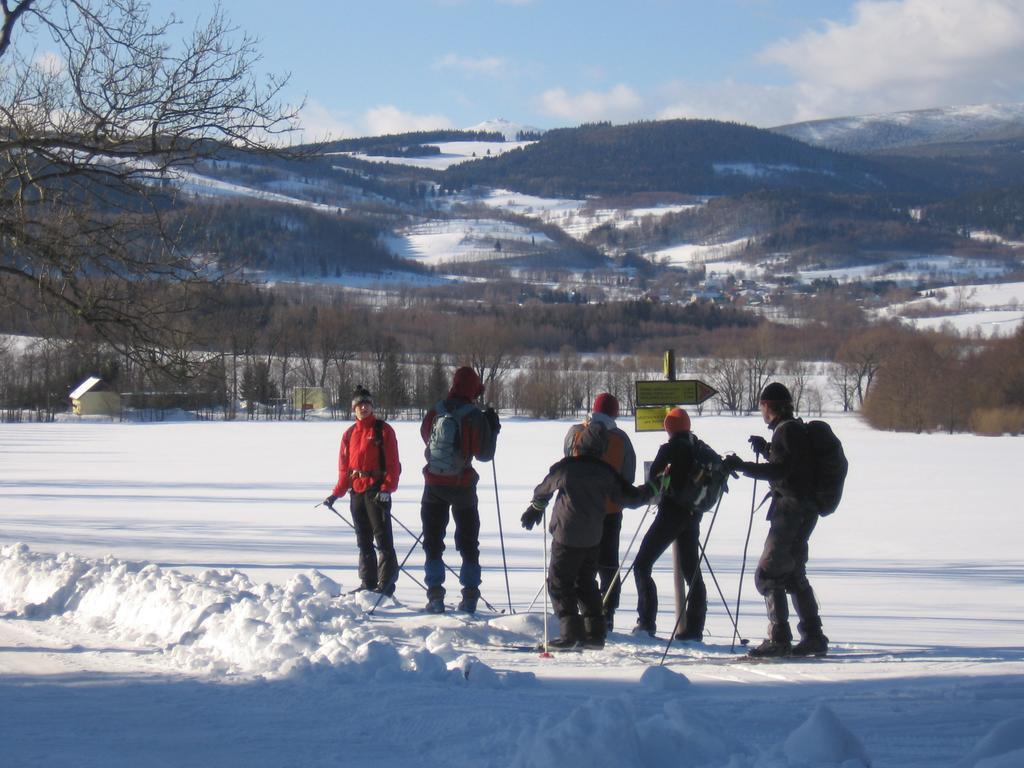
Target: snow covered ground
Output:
[
  {"x": 171, "y": 596},
  {"x": 984, "y": 309},
  {"x": 452, "y": 153}
]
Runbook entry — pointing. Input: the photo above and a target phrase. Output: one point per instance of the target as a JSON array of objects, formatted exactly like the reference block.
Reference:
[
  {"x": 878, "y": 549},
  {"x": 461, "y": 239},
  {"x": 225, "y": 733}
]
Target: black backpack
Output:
[
  {"x": 708, "y": 481},
  {"x": 829, "y": 466}
]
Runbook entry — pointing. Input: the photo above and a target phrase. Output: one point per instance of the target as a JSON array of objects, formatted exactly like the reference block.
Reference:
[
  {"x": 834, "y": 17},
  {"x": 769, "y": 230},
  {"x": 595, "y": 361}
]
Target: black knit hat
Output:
[
  {"x": 361, "y": 395},
  {"x": 776, "y": 393}
]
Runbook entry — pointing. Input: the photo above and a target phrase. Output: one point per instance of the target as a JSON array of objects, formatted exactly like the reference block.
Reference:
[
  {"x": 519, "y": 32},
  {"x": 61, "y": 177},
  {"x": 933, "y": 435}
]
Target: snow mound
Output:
[
  {"x": 664, "y": 679},
  {"x": 1002, "y": 747},
  {"x": 600, "y": 732},
  {"x": 607, "y": 732},
  {"x": 221, "y": 622},
  {"x": 824, "y": 741},
  {"x": 685, "y": 736}
]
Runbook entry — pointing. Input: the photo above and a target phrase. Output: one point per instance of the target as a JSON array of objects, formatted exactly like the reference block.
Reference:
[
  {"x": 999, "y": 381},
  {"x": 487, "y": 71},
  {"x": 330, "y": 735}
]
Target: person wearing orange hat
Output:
[
  {"x": 620, "y": 456},
  {"x": 676, "y": 522}
]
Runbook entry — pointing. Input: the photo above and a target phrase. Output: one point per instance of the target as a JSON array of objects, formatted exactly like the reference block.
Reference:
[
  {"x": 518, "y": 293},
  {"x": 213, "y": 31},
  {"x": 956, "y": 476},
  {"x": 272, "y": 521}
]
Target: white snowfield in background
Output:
[{"x": 170, "y": 595}]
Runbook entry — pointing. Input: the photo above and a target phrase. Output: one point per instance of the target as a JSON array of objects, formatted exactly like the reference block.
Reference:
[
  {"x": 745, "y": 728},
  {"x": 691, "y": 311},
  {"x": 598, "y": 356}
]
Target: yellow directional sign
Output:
[
  {"x": 682, "y": 392},
  {"x": 650, "y": 419}
]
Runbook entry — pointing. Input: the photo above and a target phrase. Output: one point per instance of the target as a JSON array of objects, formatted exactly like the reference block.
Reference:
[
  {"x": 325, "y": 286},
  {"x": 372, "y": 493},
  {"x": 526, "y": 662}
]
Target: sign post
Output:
[{"x": 655, "y": 398}]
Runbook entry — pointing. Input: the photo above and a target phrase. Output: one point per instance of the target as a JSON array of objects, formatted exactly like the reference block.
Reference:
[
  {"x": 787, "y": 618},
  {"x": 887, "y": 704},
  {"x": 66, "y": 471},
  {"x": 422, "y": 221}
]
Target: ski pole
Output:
[
  {"x": 743, "y": 567},
  {"x": 535, "y": 597},
  {"x": 546, "y": 654},
  {"x": 419, "y": 583},
  {"x": 401, "y": 567},
  {"x": 501, "y": 536},
  {"x": 450, "y": 569},
  {"x": 618, "y": 570},
  {"x": 703, "y": 546}
]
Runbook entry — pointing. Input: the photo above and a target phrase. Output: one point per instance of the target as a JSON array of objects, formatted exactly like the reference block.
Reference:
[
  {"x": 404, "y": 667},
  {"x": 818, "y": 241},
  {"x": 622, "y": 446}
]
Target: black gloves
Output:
[
  {"x": 329, "y": 501},
  {"x": 732, "y": 463},
  {"x": 759, "y": 445},
  {"x": 492, "y": 419},
  {"x": 531, "y": 517}
]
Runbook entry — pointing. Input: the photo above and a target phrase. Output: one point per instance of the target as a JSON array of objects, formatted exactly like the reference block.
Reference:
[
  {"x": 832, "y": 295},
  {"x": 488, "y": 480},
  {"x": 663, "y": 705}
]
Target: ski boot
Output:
[
  {"x": 470, "y": 596},
  {"x": 816, "y": 645},
  {"x": 644, "y": 628},
  {"x": 435, "y": 600},
  {"x": 771, "y": 649}
]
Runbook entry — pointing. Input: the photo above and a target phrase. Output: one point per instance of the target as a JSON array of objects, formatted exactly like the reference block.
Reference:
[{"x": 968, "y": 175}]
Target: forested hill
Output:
[{"x": 688, "y": 156}]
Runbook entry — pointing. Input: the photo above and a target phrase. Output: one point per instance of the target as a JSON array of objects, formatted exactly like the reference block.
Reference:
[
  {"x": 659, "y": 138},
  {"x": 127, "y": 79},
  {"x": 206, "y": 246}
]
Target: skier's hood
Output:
[{"x": 466, "y": 384}]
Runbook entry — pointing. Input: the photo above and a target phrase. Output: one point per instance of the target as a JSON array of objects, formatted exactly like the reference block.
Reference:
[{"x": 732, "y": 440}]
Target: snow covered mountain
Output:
[
  {"x": 946, "y": 125},
  {"x": 507, "y": 128}
]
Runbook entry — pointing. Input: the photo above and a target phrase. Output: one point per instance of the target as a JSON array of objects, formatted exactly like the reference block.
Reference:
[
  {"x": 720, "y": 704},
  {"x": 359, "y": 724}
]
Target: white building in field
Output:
[{"x": 94, "y": 397}]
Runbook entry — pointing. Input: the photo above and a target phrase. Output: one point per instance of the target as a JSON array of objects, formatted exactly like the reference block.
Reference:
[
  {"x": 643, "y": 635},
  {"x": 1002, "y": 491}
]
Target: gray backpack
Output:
[{"x": 444, "y": 448}]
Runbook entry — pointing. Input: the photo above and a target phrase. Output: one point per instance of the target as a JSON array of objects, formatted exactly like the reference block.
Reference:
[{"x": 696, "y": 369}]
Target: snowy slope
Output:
[
  {"x": 871, "y": 133},
  {"x": 198, "y": 615}
]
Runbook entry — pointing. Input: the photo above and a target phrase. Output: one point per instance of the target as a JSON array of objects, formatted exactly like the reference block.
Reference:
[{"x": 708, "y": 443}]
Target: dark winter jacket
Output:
[
  {"x": 618, "y": 453},
  {"x": 359, "y": 458},
  {"x": 789, "y": 468},
  {"x": 677, "y": 455},
  {"x": 583, "y": 483}
]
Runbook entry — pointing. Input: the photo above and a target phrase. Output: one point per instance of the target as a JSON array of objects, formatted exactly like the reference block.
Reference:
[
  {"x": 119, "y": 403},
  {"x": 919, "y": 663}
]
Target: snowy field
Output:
[{"x": 170, "y": 596}]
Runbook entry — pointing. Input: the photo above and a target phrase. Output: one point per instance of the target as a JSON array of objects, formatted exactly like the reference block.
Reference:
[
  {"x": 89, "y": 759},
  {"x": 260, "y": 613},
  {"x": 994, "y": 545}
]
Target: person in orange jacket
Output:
[{"x": 368, "y": 469}]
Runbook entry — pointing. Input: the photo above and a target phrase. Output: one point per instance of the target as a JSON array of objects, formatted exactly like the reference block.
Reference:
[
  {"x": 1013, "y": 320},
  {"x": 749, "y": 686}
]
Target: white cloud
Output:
[
  {"x": 907, "y": 54},
  {"x": 486, "y": 65},
  {"x": 760, "y": 105},
  {"x": 619, "y": 103},
  {"x": 50, "y": 63},
  {"x": 319, "y": 123},
  {"x": 390, "y": 119}
]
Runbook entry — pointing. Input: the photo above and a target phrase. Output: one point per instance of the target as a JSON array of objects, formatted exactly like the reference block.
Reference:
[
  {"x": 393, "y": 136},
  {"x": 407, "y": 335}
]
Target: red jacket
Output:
[{"x": 359, "y": 458}]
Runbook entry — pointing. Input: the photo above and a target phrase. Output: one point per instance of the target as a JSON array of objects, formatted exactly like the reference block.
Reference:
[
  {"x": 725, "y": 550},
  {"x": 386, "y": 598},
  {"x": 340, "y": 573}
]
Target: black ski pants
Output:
[
  {"x": 671, "y": 525},
  {"x": 439, "y": 504},
  {"x": 378, "y": 569},
  {"x": 782, "y": 569},
  {"x": 608, "y": 562},
  {"x": 572, "y": 581}
]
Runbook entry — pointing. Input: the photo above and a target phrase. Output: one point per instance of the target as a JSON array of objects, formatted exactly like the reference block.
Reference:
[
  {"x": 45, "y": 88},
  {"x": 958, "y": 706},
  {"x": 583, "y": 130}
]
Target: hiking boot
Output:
[
  {"x": 771, "y": 649},
  {"x": 564, "y": 644},
  {"x": 469, "y": 599},
  {"x": 572, "y": 634},
  {"x": 388, "y": 590},
  {"x": 811, "y": 646},
  {"x": 690, "y": 636},
  {"x": 435, "y": 605},
  {"x": 595, "y": 633},
  {"x": 643, "y": 628}
]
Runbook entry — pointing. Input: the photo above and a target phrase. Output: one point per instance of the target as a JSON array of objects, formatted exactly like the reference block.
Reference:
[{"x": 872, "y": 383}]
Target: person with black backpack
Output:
[
  {"x": 793, "y": 514},
  {"x": 690, "y": 466},
  {"x": 369, "y": 469},
  {"x": 455, "y": 431}
]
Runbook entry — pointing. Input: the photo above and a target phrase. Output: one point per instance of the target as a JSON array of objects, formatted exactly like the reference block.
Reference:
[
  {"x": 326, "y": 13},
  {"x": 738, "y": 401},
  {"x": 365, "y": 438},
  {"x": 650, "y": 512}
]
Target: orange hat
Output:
[{"x": 677, "y": 420}]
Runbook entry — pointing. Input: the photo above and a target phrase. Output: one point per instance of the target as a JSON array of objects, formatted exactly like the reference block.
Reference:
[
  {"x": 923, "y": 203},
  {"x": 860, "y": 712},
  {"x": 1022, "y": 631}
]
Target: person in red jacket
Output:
[
  {"x": 455, "y": 432},
  {"x": 368, "y": 468}
]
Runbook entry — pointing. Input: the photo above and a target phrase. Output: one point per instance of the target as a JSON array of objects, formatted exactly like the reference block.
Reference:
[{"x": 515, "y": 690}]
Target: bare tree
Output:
[{"x": 93, "y": 137}]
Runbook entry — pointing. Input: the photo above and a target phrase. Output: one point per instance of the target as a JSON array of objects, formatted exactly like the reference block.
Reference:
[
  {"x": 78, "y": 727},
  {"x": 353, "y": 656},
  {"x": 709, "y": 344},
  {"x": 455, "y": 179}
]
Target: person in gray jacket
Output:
[
  {"x": 620, "y": 456},
  {"x": 583, "y": 482}
]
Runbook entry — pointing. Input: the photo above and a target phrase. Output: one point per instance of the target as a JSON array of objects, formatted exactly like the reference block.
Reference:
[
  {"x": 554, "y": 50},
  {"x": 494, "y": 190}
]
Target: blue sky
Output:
[{"x": 395, "y": 65}]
